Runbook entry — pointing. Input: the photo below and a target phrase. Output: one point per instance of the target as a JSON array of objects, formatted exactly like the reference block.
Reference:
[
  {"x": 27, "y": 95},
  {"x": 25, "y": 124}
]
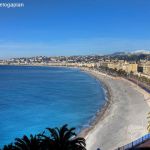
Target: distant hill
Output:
[
  {"x": 141, "y": 52},
  {"x": 137, "y": 52},
  {"x": 118, "y": 53},
  {"x": 131, "y": 56}
]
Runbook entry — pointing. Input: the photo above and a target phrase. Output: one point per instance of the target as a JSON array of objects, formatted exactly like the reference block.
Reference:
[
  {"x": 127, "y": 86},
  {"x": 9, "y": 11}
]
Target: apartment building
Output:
[
  {"x": 146, "y": 68},
  {"x": 130, "y": 67}
]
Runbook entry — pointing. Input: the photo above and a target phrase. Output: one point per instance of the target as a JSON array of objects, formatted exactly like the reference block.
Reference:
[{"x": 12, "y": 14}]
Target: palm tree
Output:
[
  {"x": 32, "y": 143},
  {"x": 8, "y": 147},
  {"x": 63, "y": 139},
  {"x": 59, "y": 139}
]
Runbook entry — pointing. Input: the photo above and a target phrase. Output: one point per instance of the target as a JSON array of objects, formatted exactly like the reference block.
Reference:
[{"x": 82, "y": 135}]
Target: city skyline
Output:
[{"x": 80, "y": 27}]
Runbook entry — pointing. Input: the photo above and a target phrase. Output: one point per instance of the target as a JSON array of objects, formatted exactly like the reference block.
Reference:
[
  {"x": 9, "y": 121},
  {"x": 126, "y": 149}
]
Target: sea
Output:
[{"x": 33, "y": 98}]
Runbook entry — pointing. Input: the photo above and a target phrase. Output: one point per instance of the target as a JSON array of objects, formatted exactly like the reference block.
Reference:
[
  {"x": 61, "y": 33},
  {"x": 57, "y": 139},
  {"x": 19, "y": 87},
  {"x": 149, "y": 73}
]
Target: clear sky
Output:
[{"x": 74, "y": 27}]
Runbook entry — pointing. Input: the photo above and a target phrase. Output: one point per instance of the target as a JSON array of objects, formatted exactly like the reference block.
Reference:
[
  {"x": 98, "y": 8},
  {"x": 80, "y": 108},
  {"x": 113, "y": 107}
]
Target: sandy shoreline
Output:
[
  {"x": 123, "y": 118},
  {"x": 101, "y": 112}
]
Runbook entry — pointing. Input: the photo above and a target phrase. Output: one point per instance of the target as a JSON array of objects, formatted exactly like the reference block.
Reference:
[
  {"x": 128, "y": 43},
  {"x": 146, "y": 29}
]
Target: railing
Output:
[{"x": 135, "y": 143}]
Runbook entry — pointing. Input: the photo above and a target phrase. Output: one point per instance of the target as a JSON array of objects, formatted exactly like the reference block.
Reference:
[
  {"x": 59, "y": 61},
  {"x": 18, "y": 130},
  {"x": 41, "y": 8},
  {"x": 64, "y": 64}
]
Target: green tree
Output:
[
  {"x": 63, "y": 139},
  {"x": 8, "y": 147},
  {"x": 32, "y": 143}
]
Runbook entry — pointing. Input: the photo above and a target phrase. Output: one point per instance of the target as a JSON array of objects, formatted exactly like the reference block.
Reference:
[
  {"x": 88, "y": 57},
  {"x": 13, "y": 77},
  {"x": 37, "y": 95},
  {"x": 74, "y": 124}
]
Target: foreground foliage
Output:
[{"x": 63, "y": 138}]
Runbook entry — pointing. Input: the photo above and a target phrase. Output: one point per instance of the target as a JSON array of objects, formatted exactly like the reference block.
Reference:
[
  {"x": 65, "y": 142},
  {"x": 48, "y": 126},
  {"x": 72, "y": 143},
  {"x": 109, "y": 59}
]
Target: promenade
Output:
[{"x": 126, "y": 118}]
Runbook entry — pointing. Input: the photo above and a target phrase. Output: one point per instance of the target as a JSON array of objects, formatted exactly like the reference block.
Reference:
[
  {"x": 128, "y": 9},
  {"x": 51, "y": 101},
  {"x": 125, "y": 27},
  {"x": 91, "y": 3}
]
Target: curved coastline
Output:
[
  {"x": 123, "y": 119},
  {"x": 100, "y": 114},
  {"x": 92, "y": 117},
  {"x": 104, "y": 131}
]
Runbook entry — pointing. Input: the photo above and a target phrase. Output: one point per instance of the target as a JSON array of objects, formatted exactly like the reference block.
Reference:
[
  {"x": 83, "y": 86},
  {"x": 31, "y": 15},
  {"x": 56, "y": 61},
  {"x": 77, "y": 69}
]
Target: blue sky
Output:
[{"x": 74, "y": 27}]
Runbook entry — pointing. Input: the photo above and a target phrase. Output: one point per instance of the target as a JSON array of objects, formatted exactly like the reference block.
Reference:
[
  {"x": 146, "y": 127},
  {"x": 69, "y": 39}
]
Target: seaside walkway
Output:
[
  {"x": 141, "y": 84},
  {"x": 143, "y": 142},
  {"x": 125, "y": 120}
]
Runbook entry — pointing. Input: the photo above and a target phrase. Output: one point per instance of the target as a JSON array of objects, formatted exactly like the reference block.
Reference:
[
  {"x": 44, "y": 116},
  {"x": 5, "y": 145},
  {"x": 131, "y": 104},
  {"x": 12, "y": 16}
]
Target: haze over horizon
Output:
[{"x": 69, "y": 27}]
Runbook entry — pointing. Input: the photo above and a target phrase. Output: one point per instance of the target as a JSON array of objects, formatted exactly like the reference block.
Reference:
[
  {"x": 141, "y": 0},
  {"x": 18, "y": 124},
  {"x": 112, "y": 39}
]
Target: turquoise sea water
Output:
[{"x": 33, "y": 98}]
